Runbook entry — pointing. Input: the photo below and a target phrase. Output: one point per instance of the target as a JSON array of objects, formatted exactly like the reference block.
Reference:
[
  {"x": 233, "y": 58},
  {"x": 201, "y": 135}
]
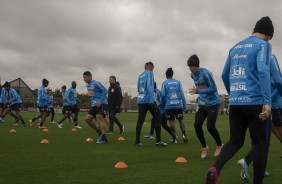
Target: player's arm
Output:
[{"x": 225, "y": 74}]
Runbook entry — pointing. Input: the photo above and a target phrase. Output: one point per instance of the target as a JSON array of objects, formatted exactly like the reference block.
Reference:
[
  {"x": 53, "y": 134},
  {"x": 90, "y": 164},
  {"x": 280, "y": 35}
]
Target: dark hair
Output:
[
  {"x": 7, "y": 84},
  {"x": 45, "y": 81},
  {"x": 64, "y": 87},
  {"x": 87, "y": 73},
  {"x": 193, "y": 61},
  {"x": 149, "y": 63},
  {"x": 169, "y": 72},
  {"x": 113, "y": 77}
]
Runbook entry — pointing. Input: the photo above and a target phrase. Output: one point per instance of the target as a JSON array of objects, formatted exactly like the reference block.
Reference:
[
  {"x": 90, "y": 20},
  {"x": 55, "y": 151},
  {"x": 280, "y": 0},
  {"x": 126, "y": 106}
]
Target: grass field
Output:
[{"x": 68, "y": 158}]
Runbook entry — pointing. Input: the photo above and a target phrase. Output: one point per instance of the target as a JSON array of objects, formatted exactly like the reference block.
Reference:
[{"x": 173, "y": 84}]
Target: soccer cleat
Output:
[
  {"x": 147, "y": 136},
  {"x": 161, "y": 143},
  {"x": 139, "y": 144},
  {"x": 266, "y": 174},
  {"x": 59, "y": 125},
  {"x": 204, "y": 152},
  {"x": 110, "y": 132},
  {"x": 52, "y": 122},
  {"x": 101, "y": 142},
  {"x": 174, "y": 141},
  {"x": 218, "y": 150},
  {"x": 151, "y": 138},
  {"x": 185, "y": 140},
  {"x": 244, "y": 170},
  {"x": 171, "y": 139},
  {"x": 78, "y": 126},
  {"x": 30, "y": 122},
  {"x": 2, "y": 120},
  {"x": 15, "y": 124},
  {"x": 212, "y": 176},
  {"x": 122, "y": 129}
]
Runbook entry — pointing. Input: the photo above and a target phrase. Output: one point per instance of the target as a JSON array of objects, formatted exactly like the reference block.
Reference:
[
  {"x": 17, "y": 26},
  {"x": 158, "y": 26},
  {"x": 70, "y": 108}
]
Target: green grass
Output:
[{"x": 69, "y": 159}]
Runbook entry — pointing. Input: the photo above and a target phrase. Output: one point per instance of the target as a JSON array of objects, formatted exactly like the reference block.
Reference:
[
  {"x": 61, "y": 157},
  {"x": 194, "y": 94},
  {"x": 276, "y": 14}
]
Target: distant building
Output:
[{"x": 27, "y": 95}]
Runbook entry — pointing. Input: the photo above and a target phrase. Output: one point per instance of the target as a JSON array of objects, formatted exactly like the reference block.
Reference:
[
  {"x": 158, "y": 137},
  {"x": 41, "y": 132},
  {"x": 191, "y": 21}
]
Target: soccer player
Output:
[
  {"x": 50, "y": 105},
  {"x": 208, "y": 102},
  {"x": 63, "y": 94},
  {"x": 42, "y": 101},
  {"x": 276, "y": 112},
  {"x": 174, "y": 100},
  {"x": 161, "y": 107},
  {"x": 246, "y": 76},
  {"x": 12, "y": 101},
  {"x": 146, "y": 102},
  {"x": 114, "y": 103},
  {"x": 71, "y": 106},
  {"x": 97, "y": 93},
  {"x": 2, "y": 106}
]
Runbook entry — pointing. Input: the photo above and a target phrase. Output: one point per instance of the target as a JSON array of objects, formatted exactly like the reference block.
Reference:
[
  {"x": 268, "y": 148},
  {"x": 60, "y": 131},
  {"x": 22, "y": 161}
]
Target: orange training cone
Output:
[
  {"x": 13, "y": 131},
  {"x": 74, "y": 130},
  {"x": 89, "y": 140},
  {"x": 121, "y": 139},
  {"x": 181, "y": 160},
  {"x": 121, "y": 165},
  {"x": 45, "y": 130},
  {"x": 44, "y": 141}
]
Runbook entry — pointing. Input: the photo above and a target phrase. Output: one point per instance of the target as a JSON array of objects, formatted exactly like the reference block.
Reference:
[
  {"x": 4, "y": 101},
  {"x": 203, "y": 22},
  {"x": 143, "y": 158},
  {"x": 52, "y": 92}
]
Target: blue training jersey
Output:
[
  {"x": 246, "y": 74},
  {"x": 2, "y": 97},
  {"x": 145, "y": 87},
  {"x": 161, "y": 105},
  {"x": 206, "y": 87},
  {"x": 12, "y": 96},
  {"x": 172, "y": 94},
  {"x": 63, "y": 94},
  {"x": 50, "y": 101},
  {"x": 42, "y": 96},
  {"x": 71, "y": 96},
  {"x": 276, "y": 83},
  {"x": 96, "y": 92}
]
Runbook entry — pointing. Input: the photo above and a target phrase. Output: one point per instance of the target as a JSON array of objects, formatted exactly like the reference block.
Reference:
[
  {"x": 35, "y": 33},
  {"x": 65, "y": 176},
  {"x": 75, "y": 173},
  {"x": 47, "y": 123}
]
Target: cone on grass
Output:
[
  {"x": 121, "y": 165},
  {"x": 74, "y": 130},
  {"x": 44, "y": 141},
  {"x": 121, "y": 139},
  {"x": 89, "y": 140},
  {"x": 181, "y": 160},
  {"x": 13, "y": 131},
  {"x": 45, "y": 130}
]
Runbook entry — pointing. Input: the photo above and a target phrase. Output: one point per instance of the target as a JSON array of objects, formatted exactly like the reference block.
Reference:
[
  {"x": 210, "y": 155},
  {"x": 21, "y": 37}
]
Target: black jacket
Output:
[{"x": 114, "y": 96}]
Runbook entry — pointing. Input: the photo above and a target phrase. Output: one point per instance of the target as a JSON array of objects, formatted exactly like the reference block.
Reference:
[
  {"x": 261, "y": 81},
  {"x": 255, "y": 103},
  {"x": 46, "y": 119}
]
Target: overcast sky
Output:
[{"x": 60, "y": 39}]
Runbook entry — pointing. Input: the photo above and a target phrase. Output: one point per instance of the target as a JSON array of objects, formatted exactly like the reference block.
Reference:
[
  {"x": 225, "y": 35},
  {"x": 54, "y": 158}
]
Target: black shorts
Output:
[
  {"x": 171, "y": 114},
  {"x": 105, "y": 110},
  {"x": 51, "y": 109},
  {"x": 16, "y": 106},
  {"x": 276, "y": 117},
  {"x": 43, "y": 109},
  {"x": 71, "y": 109},
  {"x": 96, "y": 110}
]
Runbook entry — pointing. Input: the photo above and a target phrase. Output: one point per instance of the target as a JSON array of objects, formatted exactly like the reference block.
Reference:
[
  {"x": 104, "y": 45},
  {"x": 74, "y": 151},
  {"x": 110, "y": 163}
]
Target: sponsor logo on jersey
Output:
[{"x": 238, "y": 71}]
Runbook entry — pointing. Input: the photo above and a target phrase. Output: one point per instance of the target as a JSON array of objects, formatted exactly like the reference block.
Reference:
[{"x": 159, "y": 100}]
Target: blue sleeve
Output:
[
  {"x": 263, "y": 65},
  {"x": 13, "y": 95},
  {"x": 163, "y": 94},
  {"x": 210, "y": 84},
  {"x": 42, "y": 95},
  {"x": 276, "y": 74},
  {"x": 183, "y": 98},
  {"x": 104, "y": 91},
  {"x": 225, "y": 74},
  {"x": 67, "y": 94}
]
